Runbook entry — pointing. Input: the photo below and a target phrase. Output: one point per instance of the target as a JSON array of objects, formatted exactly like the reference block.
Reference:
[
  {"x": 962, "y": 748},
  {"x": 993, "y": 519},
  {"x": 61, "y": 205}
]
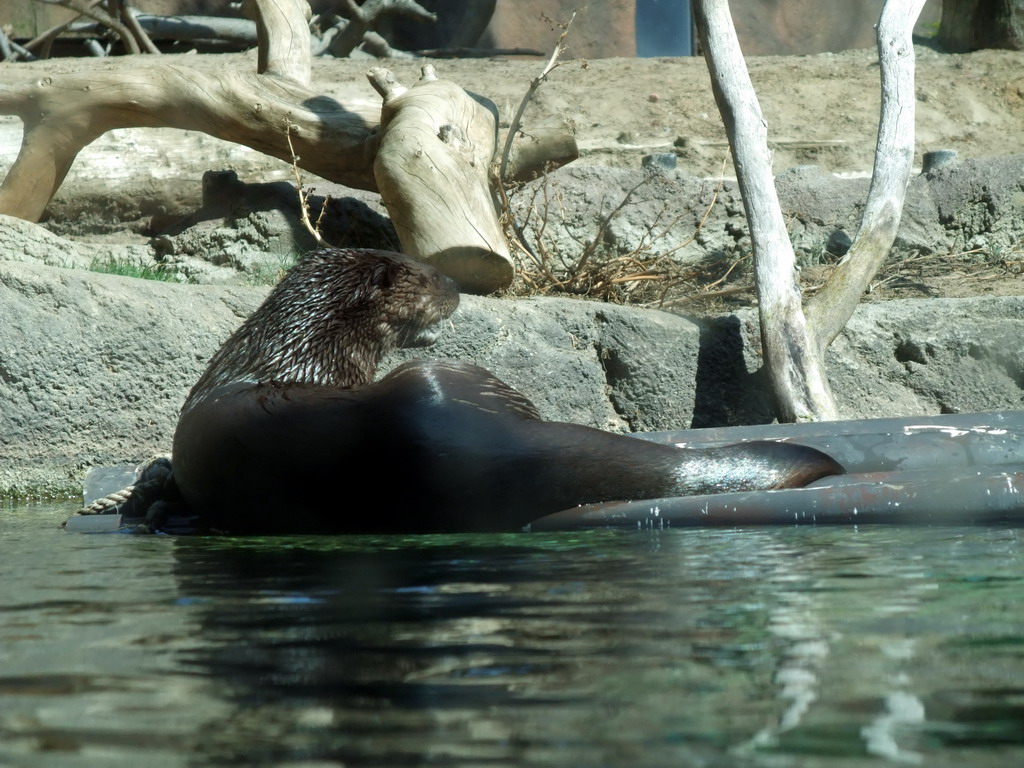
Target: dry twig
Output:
[{"x": 314, "y": 229}]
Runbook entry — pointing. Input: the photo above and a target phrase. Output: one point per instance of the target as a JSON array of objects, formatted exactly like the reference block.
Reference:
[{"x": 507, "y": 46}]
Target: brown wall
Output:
[
  {"x": 600, "y": 30},
  {"x": 813, "y": 26},
  {"x": 605, "y": 28}
]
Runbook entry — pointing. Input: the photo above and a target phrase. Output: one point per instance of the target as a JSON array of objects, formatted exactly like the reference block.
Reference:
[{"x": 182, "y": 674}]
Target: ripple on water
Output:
[{"x": 596, "y": 648}]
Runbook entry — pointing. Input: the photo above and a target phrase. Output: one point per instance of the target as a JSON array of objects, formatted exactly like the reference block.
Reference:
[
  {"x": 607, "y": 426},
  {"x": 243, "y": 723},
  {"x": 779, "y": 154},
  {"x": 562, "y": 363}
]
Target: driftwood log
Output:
[
  {"x": 422, "y": 162},
  {"x": 446, "y": 216}
]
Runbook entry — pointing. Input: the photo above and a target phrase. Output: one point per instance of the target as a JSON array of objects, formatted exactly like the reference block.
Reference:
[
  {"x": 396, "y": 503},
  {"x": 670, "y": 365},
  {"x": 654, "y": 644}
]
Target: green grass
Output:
[
  {"x": 136, "y": 269},
  {"x": 267, "y": 273},
  {"x": 270, "y": 273}
]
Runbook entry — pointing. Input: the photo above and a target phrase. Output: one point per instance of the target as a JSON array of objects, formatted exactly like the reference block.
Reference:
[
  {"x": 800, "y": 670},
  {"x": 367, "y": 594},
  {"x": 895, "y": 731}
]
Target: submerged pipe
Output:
[
  {"x": 884, "y": 445},
  {"x": 937, "y": 496}
]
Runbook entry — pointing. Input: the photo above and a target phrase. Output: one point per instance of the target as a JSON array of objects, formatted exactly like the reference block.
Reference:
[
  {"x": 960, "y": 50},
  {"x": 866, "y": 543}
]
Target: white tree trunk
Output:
[
  {"x": 794, "y": 343},
  {"x": 792, "y": 358}
]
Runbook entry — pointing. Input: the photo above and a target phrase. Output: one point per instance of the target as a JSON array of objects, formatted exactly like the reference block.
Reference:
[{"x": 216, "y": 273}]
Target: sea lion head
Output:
[
  {"x": 331, "y": 319},
  {"x": 417, "y": 298}
]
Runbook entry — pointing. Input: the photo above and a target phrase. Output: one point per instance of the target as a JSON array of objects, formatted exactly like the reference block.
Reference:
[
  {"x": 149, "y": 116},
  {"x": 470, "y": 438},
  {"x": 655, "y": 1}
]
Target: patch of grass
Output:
[
  {"x": 270, "y": 272},
  {"x": 134, "y": 268}
]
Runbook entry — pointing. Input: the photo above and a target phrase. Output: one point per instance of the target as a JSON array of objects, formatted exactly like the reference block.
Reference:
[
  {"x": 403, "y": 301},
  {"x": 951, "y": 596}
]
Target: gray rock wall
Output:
[
  {"x": 972, "y": 205},
  {"x": 94, "y": 367}
]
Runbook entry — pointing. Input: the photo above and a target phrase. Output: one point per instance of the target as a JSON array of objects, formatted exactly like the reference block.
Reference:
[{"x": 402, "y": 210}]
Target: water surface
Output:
[{"x": 773, "y": 647}]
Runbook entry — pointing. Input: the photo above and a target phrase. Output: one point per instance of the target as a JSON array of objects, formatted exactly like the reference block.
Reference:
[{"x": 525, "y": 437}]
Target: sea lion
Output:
[{"x": 286, "y": 432}]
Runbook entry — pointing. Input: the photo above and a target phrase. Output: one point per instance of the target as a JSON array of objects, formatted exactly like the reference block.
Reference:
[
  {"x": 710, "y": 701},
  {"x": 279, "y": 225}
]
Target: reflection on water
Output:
[{"x": 757, "y": 647}]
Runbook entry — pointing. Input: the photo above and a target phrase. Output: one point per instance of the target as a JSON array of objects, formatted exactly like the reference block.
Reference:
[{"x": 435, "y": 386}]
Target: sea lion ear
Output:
[
  {"x": 372, "y": 280},
  {"x": 389, "y": 274}
]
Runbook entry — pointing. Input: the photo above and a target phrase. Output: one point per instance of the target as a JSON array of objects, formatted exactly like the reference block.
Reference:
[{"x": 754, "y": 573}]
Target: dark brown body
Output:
[
  {"x": 286, "y": 433},
  {"x": 432, "y": 447}
]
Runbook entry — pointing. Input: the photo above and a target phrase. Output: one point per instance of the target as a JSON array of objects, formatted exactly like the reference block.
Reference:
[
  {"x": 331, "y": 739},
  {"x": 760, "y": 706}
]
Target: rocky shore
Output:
[{"x": 94, "y": 367}]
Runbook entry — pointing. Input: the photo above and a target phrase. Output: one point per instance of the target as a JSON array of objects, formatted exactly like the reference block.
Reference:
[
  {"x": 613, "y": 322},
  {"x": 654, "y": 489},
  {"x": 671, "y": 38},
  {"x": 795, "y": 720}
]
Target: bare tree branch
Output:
[
  {"x": 131, "y": 21},
  {"x": 300, "y": 189},
  {"x": 792, "y": 357},
  {"x": 46, "y": 38},
  {"x": 365, "y": 18},
  {"x": 232, "y": 30},
  {"x": 831, "y": 308},
  {"x": 513, "y": 127},
  {"x": 376, "y": 45}
]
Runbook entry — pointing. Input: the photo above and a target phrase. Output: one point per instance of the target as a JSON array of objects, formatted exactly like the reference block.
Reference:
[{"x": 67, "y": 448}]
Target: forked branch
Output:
[
  {"x": 794, "y": 343},
  {"x": 831, "y": 308},
  {"x": 792, "y": 357}
]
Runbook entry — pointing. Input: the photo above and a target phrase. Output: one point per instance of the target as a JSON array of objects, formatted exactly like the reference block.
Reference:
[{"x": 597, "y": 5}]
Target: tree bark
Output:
[
  {"x": 792, "y": 358},
  {"x": 74, "y": 104},
  {"x": 794, "y": 343},
  {"x": 433, "y": 176}
]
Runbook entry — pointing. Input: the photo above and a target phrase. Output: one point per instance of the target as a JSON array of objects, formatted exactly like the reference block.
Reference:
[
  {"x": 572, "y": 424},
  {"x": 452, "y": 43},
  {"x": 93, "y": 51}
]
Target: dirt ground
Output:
[{"x": 821, "y": 110}]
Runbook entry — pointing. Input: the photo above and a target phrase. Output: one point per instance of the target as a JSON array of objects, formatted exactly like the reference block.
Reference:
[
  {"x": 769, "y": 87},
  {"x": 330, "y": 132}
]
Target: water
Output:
[{"x": 770, "y": 647}]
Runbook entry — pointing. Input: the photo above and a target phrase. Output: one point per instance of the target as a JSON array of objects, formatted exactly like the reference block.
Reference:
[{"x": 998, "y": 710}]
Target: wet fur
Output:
[
  {"x": 285, "y": 433},
  {"x": 330, "y": 321}
]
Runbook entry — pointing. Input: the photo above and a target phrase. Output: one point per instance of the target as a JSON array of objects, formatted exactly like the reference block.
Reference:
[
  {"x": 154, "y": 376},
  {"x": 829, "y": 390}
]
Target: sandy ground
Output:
[{"x": 820, "y": 109}]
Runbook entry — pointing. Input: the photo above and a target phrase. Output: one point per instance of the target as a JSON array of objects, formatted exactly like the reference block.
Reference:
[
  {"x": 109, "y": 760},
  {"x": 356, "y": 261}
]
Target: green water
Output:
[{"x": 762, "y": 647}]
